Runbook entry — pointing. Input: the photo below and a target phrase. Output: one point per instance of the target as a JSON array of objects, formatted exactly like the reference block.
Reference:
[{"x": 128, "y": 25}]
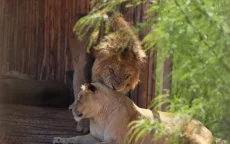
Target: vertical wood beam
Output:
[{"x": 165, "y": 79}]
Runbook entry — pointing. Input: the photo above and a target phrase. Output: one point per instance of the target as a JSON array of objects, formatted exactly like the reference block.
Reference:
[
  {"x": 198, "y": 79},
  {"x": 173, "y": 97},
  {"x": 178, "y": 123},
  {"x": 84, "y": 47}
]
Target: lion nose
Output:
[{"x": 70, "y": 107}]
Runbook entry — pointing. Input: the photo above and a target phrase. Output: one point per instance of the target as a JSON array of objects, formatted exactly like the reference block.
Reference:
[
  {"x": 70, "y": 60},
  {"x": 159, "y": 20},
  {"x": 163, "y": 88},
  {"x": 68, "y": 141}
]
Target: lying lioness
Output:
[{"x": 110, "y": 112}]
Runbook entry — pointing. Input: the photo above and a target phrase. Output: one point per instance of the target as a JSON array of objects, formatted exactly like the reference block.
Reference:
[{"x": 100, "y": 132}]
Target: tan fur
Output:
[
  {"x": 118, "y": 23},
  {"x": 110, "y": 112},
  {"x": 191, "y": 129},
  {"x": 121, "y": 68},
  {"x": 119, "y": 50}
]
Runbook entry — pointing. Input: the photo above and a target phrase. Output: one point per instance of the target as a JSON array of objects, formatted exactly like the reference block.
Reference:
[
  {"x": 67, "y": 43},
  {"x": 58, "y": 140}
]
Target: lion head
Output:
[
  {"x": 118, "y": 62},
  {"x": 89, "y": 101},
  {"x": 118, "y": 55}
]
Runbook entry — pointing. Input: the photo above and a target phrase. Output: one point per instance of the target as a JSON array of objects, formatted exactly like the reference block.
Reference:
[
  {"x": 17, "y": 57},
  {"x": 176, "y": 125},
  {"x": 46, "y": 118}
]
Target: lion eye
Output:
[
  {"x": 111, "y": 71},
  {"x": 127, "y": 76}
]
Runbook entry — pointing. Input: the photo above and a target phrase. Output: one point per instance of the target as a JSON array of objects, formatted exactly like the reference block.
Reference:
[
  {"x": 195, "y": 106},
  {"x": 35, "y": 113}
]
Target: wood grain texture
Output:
[
  {"x": 33, "y": 36},
  {"x": 166, "y": 80},
  {"x": 34, "y": 40},
  {"x": 35, "y": 125}
]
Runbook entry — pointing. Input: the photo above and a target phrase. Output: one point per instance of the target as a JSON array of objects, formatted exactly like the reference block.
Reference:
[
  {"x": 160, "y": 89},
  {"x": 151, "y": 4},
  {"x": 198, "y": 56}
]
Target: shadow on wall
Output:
[{"x": 19, "y": 88}]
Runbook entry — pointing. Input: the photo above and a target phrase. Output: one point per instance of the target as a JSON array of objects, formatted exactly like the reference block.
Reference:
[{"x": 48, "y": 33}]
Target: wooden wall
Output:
[
  {"x": 33, "y": 37},
  {"x": 33, "y": 40}
]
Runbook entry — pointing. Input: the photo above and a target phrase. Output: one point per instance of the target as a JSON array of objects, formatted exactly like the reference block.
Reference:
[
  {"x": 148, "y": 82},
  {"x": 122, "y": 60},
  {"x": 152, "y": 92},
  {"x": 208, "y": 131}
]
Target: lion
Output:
[
  {"x": 110, "y": 112},
  {"x": 116, "y": 61}
]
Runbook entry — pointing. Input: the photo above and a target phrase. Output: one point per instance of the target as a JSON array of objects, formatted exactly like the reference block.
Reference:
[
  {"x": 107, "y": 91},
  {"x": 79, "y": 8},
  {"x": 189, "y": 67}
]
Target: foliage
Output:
[
  {"x": 141, "y": 128},
  {"x": 196, "y": 35}
]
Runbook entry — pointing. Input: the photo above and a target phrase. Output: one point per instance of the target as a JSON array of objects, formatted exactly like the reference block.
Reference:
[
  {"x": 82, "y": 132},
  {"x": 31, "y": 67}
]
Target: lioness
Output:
[
  {"x": 110, "y": 112},
  {"x": 116, "y": 62}
]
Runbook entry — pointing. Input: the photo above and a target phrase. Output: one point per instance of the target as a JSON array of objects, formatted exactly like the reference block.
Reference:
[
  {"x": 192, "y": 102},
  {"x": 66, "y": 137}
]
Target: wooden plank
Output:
[
  {"x": 154, "y": 67},
  {"x": 2, "y": 4},
  {"x": 16, "y": 62},
  {"x": 26, "y": 37},
  {"x": 59, "y": 64},
  {"x": 38, "y": 42},
  {"x": 36, "y": 37},
  {"x": 10, "y": 50},
  {"x": 65, "y": 18},
  {"x": 51, "y": 55},
  {"x": 21, "y": 35},
  {"x": 35, "y": 125},
  {"x": 5, "y": 38},
  {"x": 68, "y": 29},
  {"x": 32, "y": 46},
  {"x": 149, "y": 95},
  {"x": 41, "y": 38},
  {"x": 143, "y": 93},
  {"x": 145, "y": 75},
  {"x": 165, "y": 79},
  {"x": 46, "y": 41}
]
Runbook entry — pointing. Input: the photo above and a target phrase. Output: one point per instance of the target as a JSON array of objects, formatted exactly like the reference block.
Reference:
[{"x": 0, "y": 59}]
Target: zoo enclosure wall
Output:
[{"x": 34, "y": 40}]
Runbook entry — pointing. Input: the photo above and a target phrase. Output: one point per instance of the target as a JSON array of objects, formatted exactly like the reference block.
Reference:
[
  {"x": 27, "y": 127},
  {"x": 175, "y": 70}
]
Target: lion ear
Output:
[
  {"x": 140, "y": 53},
  {"x": 90, "y": 87}
]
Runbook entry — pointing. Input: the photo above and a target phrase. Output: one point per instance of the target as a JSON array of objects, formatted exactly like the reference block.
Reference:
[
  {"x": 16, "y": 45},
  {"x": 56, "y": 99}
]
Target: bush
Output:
[{"x": 196, "y": 35}]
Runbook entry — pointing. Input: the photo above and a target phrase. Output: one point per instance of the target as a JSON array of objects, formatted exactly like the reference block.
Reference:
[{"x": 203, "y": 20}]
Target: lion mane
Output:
[
  {"x": 117, "y": 59},
  {"x": 120, "y": 51}
]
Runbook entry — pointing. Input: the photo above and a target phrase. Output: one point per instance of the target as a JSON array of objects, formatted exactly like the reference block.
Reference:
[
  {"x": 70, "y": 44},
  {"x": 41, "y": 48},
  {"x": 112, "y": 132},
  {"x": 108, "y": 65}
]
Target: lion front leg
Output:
[
  {"x": 59, "y": 140},
  {"x": 85, "y": 139}
]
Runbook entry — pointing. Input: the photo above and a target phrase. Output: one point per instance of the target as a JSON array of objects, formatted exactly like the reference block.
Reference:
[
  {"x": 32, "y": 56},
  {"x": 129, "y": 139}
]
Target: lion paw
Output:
[{"x": 59, "y": 140}]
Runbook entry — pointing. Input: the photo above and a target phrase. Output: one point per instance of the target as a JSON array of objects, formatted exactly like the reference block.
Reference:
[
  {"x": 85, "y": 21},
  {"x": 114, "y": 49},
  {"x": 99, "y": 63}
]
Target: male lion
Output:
[
  {"x": 110, "y": 112},
  {"x": 116, "y": 61}
]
